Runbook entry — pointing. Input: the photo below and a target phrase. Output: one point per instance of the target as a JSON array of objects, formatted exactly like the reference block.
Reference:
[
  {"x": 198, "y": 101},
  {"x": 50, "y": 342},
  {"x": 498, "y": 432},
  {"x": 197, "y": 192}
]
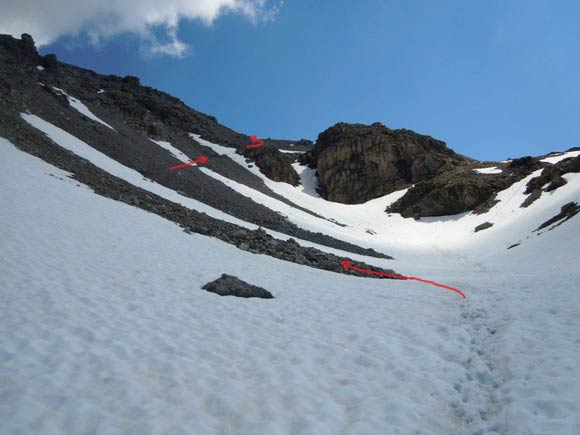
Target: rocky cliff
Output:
[{"x": 358, "y": 162}]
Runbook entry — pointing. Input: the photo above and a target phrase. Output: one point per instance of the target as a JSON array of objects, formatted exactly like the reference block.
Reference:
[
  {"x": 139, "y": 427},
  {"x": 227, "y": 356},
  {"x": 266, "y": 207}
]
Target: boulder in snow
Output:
[{"x": 228, "y": 285}]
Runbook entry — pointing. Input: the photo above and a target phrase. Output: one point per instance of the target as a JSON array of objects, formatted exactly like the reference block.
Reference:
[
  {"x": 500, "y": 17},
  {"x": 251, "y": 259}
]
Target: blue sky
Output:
[{"x": 494, "y": 79}]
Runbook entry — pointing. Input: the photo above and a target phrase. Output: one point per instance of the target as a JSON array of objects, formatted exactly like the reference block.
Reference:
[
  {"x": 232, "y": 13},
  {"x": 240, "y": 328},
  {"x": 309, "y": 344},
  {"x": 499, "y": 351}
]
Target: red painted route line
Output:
[
  {"x": 348, "y": 265},
  {"x": 257, "y": 142},
  {"x": 200, "y": 159}
]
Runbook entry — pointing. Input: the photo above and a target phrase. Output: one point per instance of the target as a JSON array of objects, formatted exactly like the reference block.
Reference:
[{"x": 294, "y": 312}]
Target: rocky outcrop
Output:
[
  {"x": 524, "y": 164},
  {"x": 358, "y": 162},
  {"x": 228, "y": 285},
  {"x": 450, "y": 193},
  {"x": 567, "y": 212},
  {"x": 461, "y": 189},
  {"x": 273, "y": 164},
  {"x": 551, "y": 178}
]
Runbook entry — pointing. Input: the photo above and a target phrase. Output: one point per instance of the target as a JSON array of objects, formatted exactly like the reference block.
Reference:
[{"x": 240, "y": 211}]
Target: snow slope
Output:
[
  {"x": 133, "y": 177},
  {"x": 409, "y": 240},
  {"x": 128, "y": 343},
  {"x": 104, "y": 328},
  {"x": 560, "y": 157}
]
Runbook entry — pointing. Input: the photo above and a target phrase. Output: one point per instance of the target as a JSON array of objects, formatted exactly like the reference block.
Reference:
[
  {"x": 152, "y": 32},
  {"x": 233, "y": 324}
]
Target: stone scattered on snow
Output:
[{"x": 228, "y": 285}]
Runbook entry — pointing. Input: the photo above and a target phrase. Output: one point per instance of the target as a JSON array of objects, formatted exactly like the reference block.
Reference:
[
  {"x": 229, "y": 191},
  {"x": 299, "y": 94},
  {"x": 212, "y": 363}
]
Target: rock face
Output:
[
  {"x": 228, "y": 285},
  {"x": 273, "y": 164},
  {"x": 358, "y": 162}
]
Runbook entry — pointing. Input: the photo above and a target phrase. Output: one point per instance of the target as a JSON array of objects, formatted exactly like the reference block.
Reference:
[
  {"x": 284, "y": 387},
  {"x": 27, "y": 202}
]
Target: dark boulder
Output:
[
  {"x": 483, "y": 226},
  {"x": 228, "y": 285}
]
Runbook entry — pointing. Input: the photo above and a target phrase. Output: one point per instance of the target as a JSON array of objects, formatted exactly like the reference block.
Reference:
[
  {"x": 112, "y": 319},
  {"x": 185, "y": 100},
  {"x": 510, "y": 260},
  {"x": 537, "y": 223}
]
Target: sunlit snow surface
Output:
[
  {"x": 560, "y": 157},
  {"x": 104, "y": 327},
  {"x": 492, "y": 170},
  {"x": 172, "y": 150}
]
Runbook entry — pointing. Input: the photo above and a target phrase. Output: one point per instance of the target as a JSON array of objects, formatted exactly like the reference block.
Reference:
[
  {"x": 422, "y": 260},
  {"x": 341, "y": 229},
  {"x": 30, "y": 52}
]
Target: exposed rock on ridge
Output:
[
  {"x": 273, "y": 164},
  {"x": 358, "y": 162}
]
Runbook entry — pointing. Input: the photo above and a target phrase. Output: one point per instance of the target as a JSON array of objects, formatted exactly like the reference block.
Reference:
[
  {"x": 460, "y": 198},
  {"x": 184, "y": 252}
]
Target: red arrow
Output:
[
  {"x": 200, "y": 159},
  {"x": 346, "y": 264},
  {"x": 258, "y": 143}
]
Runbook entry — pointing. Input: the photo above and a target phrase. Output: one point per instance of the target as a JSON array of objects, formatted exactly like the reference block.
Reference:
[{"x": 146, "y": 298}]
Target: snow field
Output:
[
  {"x": 128, "y": 343},
  {"x": 408, "y": 240},
  {"x": 560, "y": 157},
  {"x": 335, "y": 354},
  {"x": 491, "y": 170}
]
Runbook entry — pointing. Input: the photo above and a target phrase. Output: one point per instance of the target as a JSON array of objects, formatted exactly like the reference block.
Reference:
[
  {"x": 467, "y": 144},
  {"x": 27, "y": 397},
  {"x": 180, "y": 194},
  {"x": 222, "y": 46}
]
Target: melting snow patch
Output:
[
  {"x": 80, "y": 107},
  {"x": 172, "y": 150},
  {"x": 492, "y": 170},
  {"x": 560, "y": 157},
  {"x": 291, "y": 151},
  {"x": 40, "y": 68},
  {"x": 102, "y": 91}
]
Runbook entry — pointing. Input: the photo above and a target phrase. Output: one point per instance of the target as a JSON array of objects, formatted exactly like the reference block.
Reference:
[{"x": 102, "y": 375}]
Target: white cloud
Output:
[{"x": 46, "y": 20}]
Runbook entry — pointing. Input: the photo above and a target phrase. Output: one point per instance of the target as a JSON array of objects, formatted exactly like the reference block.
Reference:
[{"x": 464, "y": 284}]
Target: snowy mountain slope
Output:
[
  {"x": 127, "y": 342},
  {"x": 368, "y": 225},
  {"x": 483, "y": 362},
  {"x": 104, "y": 327},
  {"x": 560, "y": 157},
  {"x": 115, "y": 168}
]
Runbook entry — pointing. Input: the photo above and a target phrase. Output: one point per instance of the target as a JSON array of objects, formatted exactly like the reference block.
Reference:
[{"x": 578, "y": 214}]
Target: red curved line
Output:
[
  {"x": 436, "y": 284},
  {"x": 257, "y": 142},
  {"x": 348, "y": 265}
]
